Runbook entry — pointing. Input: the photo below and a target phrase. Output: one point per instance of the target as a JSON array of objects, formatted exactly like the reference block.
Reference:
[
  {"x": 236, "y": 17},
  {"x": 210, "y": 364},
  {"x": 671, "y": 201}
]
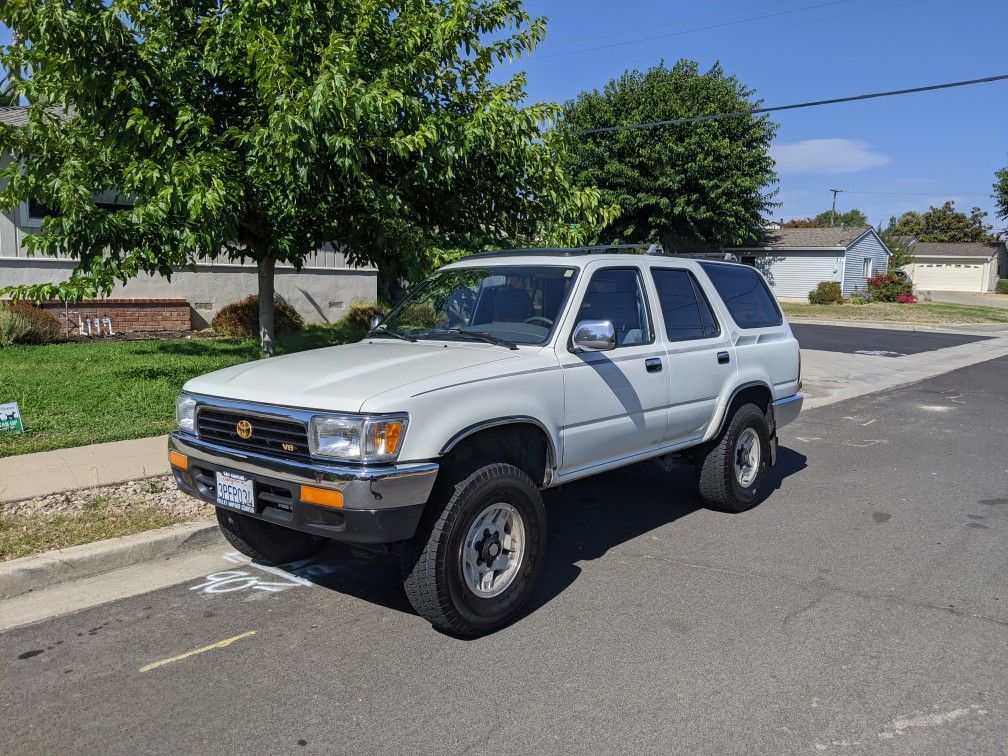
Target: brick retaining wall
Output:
[{"x": 130, "y": 314}]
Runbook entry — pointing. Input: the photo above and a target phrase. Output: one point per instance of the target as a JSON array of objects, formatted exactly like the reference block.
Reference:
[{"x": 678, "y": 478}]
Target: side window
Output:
[
  {"x": 746, "y": 296},
  {"x": 684, "y": 307},
  {"x": 617, "y": 295}
]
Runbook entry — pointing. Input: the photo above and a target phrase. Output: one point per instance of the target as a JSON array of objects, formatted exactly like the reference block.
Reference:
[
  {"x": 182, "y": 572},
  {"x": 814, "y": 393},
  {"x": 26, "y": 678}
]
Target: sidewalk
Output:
[{"x": 29, "y": 475}]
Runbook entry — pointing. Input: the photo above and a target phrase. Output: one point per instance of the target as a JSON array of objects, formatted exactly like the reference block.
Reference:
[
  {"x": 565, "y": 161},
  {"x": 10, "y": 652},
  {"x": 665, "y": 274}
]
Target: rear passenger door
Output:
[
  {"x": 701, "y": 359},
  {"x": 615, "y": 402}
]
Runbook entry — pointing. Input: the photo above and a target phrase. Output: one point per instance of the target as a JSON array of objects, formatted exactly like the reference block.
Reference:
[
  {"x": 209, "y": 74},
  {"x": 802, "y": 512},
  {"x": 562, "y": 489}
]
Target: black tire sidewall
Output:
[
  {"x": 514, "y": 489},
  {"x": 748, "y": 416}
]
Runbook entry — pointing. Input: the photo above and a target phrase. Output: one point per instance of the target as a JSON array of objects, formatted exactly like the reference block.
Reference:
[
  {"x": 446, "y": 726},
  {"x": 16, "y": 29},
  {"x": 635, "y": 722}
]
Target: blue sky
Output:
[
  {"x": 923, "y": 148},
  {"x": 910, "y": 152}
]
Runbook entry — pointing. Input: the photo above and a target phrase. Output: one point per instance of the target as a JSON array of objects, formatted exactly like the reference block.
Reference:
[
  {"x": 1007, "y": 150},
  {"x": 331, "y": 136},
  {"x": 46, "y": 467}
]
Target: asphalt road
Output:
[
  {"x": 855, "y": 340},
  {"x": 861, "y": 607}
]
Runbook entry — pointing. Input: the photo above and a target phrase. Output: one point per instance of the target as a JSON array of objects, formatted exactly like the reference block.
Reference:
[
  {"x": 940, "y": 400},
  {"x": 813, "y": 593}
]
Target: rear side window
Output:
[
  {"x": 746, "y": 296},
  {"x": 684, "y": 307}
]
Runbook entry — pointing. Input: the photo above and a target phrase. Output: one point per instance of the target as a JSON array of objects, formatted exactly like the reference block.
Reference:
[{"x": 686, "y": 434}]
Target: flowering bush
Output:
[
  {"x": 887, "y": 287},
  {"x": 905, "y": 298}
]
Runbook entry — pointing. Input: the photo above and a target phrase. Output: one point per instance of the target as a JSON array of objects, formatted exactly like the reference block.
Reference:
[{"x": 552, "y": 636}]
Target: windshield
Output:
[{"x": 512, "y": 304}]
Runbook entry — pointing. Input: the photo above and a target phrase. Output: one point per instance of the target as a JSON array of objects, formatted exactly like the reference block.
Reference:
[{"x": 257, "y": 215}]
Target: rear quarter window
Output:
[{"x": 750, "y": 303}]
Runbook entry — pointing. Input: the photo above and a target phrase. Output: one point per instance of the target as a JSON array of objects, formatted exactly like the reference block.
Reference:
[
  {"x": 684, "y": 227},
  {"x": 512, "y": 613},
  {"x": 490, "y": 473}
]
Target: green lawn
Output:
[
  {"x": 71, "y": 394},
  {"x": 935, "y": 313}
]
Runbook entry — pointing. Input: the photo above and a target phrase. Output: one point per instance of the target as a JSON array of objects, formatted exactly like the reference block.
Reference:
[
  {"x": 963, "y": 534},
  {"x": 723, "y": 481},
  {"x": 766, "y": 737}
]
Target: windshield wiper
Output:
[
  {"x": 394, "y": 334},
  {"x": 482, "y": 336}
]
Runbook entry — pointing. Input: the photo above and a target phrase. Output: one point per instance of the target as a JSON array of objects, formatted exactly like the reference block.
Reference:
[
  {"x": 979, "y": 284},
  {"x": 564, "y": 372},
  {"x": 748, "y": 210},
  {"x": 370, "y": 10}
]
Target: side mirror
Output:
[
  {"x": 375, "y": 321},
  {"x": 594, "y": 336}
]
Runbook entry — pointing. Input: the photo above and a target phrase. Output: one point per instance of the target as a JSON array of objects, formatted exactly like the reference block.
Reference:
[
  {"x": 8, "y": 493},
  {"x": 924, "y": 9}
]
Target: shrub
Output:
[
  {"x": 827, "y": 292},
  {"x": 13, "y": 326},
  {"x": 857, "y": 298},
  {"x": 905, "y": 298},
  {"x": 241, "y": 319},
  {"x": 1002, "y": 286},
  {"x": 359, "y": 314},
  {"x": 43, "y": 328},
  {"x": 886, "y": 287}
]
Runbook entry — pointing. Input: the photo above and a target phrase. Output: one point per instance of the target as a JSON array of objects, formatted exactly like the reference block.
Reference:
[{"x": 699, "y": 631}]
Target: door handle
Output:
[
  {"x": 723, "y": 358},
  {"x": 653, "y": 364}
]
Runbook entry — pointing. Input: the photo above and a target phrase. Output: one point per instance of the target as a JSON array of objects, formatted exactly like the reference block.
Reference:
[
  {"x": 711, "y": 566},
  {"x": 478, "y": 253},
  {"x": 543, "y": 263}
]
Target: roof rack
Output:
[{"x": 645, "y": 248}]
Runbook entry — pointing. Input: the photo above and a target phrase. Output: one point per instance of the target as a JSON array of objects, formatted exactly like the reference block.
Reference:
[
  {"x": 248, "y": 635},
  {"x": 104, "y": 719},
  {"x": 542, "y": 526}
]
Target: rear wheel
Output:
[
  {"x": 264, "y": 541},
  {"x": 733, "y": 471},
  {"x": 475, "y": 559}
]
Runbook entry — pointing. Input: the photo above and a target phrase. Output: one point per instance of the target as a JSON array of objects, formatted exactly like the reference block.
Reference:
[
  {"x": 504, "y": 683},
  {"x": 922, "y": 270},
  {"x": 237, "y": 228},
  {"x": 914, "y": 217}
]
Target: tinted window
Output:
[
  {"x": 684, "y": 308},
  {"x": 616, "y": 295},
  {"x": 746, "y": 296}
]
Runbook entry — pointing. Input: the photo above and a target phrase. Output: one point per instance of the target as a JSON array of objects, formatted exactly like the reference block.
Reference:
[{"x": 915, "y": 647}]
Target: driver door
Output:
[{"x": 615, "y": 402}]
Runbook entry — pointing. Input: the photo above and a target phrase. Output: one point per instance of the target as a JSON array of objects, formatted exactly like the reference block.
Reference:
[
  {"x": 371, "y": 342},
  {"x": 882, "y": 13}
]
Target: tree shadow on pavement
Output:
[{"x": 586, "y": 519}]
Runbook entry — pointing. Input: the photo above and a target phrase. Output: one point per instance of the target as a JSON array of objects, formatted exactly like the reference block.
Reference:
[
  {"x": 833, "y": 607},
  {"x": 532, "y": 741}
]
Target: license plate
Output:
[{"x": 235, "y": 491}]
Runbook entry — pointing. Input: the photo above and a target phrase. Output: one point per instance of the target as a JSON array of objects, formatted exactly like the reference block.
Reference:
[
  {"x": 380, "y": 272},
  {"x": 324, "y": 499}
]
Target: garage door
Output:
[{"x": 949, "y": 277}]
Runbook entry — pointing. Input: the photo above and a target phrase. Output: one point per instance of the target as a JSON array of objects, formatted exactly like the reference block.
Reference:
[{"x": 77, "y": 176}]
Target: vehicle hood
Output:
[{"x": 342, "y": 378}]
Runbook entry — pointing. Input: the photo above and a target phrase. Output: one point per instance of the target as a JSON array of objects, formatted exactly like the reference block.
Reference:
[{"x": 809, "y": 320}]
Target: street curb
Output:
[
  {"x": 21, "y": 576},
  {"x": 985, "y": 329}
]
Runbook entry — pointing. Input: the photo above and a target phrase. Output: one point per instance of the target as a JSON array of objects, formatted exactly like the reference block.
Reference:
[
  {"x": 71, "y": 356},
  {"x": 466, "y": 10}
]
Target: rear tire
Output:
[
  {"x": 732, "y": 473},
  {"x": 477, "y": 554},
  {"x": 264, "y": 541}
]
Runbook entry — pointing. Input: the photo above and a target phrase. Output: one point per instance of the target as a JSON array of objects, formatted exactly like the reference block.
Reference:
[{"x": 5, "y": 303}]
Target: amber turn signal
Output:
[
  {"x": 322, "y": 496},
  {"x": 181, "y": 461}
]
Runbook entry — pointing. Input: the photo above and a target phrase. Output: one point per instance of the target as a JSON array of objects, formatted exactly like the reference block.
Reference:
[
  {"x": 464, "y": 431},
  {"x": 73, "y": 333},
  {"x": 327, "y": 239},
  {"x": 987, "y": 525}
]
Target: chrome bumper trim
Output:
[
  {"x": 786, "y": 410},
  {"x": 367, "y": 488}
]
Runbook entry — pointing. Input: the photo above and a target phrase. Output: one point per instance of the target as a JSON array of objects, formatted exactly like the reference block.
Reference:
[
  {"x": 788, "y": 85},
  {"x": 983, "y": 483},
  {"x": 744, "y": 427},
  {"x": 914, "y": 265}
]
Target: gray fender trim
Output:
[
  {"x": 738, "y": 390},
  {"x": 551, "y": 461}
]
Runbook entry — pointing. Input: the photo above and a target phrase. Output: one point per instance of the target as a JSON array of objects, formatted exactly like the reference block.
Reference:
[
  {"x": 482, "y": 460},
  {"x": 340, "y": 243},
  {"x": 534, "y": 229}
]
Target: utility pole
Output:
[{"x": 832, "y": 215}]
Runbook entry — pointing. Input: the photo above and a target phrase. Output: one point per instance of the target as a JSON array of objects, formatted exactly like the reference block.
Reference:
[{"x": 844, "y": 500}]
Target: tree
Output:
[
  {"x": 900, "y": 250},
  {"x": 942, "y": 224},
  {"x": 827, "y": 218},
  {"x": 259, "y": 131},
  {"x": 1001, "y": 193},
  {"x": 703, "y": 182}
]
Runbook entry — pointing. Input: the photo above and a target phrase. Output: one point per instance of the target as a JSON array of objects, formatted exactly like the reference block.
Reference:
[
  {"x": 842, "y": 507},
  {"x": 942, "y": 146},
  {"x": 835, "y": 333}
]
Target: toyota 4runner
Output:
[{"x": 499, "y": 376}]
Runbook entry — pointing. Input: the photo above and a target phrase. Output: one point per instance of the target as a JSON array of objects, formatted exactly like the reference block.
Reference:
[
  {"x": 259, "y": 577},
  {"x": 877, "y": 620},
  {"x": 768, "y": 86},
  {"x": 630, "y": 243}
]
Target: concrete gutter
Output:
[
  {"x": 21, "y": 576},
  {"x": 985, "y": 329}
]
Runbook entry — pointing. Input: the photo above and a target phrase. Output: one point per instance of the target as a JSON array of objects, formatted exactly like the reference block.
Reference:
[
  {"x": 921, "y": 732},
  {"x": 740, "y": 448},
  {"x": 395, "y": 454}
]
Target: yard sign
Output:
[{"x": 10, "y": 418}]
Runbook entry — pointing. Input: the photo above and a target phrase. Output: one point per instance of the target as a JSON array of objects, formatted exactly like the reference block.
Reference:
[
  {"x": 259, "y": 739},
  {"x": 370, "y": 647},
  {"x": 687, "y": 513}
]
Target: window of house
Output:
[
  {"x": 685, "y": 309},
  {"x": 866, "y": 264}
]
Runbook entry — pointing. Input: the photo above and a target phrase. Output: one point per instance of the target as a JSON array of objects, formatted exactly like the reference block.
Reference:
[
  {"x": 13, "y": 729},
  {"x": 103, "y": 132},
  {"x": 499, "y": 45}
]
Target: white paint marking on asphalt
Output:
[
  {"x": 808, "y": 440},
  {"x": 229, "y": 581},
  {"x": 869, "y": 422},
  {"x": 868, "y": 442},
  {"x": 902, "y": 724},
  {"x": 933, "y": 407},
  {"x": 879, "y": 353},
  {"x": 219, "y": 644}
]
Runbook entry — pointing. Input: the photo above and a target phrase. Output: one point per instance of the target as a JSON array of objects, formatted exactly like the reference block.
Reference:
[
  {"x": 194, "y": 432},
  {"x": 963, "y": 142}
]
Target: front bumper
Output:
[
  {"x": 380, "y": 504},
  {"x": 786, "y": 410}
]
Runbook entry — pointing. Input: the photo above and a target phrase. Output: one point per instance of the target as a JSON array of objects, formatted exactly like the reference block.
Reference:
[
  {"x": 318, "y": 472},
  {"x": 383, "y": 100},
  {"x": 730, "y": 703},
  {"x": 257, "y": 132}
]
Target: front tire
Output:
[
  {"x": 264, "y": 541},
  {"x": 477, "y": 554},
  {"x": 733, "y": 472}
]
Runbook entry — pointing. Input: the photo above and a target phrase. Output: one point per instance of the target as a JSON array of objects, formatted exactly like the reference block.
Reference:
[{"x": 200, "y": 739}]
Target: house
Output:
[
  {"x": 321, "y": 291},
  {"x": 952, "y": 266},
  {"x": 796, "y": 260}
]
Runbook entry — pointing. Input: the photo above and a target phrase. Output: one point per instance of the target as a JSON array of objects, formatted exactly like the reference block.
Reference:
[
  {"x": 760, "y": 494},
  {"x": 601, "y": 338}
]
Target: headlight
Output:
[
  {"x": 185, "y": 413},
  {"x": 357, "y": 438}
]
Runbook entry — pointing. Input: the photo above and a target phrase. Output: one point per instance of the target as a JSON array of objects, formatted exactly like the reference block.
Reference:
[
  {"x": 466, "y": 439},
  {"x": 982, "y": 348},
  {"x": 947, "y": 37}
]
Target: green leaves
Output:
[
  {"x": 700, "y": 182},
  {"x": 167, "y": 132},
  {"x": 1001, "y": 193},
  {"x": 943, "y": 224}
]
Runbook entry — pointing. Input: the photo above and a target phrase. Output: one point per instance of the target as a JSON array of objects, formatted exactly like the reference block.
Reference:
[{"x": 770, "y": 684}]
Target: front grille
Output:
[{"x": 277, "y": 437}]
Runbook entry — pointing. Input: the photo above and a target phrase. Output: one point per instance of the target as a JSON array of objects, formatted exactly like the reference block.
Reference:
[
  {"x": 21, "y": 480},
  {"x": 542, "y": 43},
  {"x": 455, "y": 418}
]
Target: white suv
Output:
[{"x": 497, "y": 377}]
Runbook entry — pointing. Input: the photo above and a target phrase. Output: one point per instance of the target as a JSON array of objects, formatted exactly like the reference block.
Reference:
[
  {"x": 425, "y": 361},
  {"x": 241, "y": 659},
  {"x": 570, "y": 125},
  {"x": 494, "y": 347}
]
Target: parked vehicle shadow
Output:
[{"x": 586, "y": 519}]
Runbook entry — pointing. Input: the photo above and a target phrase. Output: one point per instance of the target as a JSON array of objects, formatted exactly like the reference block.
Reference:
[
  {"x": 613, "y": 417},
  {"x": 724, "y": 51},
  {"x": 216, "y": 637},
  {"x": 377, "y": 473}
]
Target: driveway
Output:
[
  {"x": 862, "y": 607},
  {"x": 970, "y": 298}
]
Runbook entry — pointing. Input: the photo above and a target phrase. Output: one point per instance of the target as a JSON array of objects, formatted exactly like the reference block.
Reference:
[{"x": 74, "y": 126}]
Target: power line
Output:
[
  {"x": 795, "y": 106},
  {"x": 919, "y": 194},
  {"x": 687, "y": 31}
]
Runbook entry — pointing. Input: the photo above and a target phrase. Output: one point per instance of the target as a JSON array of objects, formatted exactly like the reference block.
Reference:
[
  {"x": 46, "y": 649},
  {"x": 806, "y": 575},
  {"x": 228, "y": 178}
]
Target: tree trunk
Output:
[{"x": 266, "y": 269}]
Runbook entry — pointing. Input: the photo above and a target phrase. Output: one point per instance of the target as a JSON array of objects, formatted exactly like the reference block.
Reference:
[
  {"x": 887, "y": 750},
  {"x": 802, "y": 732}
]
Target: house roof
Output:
[
  {"x": 957, "y": 249},
  {"x": 811, "y": 238},
  {"x": 13, "y": 115}
]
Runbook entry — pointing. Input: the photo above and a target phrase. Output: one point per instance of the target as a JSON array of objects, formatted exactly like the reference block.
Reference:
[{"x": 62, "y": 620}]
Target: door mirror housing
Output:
[
  {"x": 375, "y": 321},
  {"x": 594, "y": 336}
]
